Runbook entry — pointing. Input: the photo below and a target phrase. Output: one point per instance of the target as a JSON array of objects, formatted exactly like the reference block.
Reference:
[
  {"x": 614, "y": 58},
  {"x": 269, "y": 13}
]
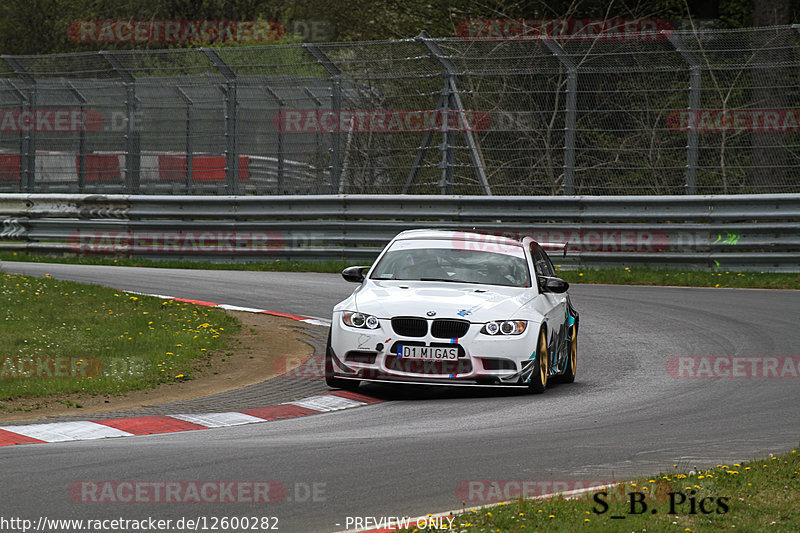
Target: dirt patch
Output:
[{"x": 267, "y": 345}]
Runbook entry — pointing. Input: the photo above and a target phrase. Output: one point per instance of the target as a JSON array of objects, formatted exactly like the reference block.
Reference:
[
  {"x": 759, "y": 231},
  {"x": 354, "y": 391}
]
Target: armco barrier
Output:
[
  {"x": 160, "y": 173},
  {"x": 736, "y": 232}
]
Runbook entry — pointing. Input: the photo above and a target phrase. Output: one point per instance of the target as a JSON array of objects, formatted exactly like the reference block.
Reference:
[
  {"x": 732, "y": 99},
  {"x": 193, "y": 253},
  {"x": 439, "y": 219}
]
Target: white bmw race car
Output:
[{"x": 454, "y": 308}]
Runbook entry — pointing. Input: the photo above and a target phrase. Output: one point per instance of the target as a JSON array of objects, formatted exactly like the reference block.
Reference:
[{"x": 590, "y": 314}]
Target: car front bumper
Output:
[{"x": 365, "y": 354}]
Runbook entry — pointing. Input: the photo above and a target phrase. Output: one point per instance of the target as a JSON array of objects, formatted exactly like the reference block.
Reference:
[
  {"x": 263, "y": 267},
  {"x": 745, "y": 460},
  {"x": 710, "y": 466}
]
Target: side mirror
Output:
[
  {"x": 553, "y": 284},
  {"x": 354, "y": 274}
]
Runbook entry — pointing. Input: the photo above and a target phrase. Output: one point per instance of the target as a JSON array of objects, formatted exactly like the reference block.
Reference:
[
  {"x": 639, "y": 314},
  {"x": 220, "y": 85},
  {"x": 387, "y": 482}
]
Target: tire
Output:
[
  {"x": 572, "y": 362},
  {"x": 330, "y": 380},
  {"x": 538, "y": 381}
]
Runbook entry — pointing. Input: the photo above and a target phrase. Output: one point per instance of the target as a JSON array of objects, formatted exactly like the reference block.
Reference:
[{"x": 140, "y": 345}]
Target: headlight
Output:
[
  {"x": 360, "y": 320},
  {"x": 505, "y": 327}
]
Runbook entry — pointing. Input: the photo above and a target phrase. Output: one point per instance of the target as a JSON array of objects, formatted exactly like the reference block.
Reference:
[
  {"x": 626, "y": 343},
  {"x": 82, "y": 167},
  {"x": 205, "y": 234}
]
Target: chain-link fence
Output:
[{"x": 711, "y": 112}]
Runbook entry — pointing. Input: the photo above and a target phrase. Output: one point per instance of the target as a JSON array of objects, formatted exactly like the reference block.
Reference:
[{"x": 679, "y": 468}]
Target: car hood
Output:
[{"x": 476, "y": 303}]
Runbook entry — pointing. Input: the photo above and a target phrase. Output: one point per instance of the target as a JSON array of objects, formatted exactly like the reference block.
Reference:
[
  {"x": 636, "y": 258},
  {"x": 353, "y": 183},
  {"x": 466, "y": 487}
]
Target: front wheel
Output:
[
  {"x": 330, "y": 379},
  {"x": 539, "y": 377},
  {"x": 572, "y": 363}
]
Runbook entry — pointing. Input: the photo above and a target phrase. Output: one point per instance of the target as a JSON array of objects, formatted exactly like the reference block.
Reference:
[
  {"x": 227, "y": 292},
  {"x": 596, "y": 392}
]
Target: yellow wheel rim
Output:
[{"x": 542, "y": 359}]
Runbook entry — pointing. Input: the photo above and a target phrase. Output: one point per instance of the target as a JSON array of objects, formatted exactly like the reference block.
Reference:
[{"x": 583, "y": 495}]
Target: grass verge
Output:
[
  {"x": 59, "y": 337},
  {"x": 277, "y": 265},
  {"x": 621, "y": 276},
  {"x": 752, "y": 496},
  {"x": 692, "y": 278}
]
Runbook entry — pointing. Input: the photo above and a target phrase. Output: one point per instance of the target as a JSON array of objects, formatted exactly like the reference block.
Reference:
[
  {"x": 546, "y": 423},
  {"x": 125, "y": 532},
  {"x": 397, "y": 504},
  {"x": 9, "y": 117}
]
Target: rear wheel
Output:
[
  {"x": 539, "y": 377},
  {"x": 330, "y": 380},
  {"x": 572, "y": 363}
]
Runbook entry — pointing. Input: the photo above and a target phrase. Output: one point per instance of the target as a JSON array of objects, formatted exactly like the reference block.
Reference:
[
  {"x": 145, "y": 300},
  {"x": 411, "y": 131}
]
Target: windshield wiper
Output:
[{"x": 449, "y": 280}]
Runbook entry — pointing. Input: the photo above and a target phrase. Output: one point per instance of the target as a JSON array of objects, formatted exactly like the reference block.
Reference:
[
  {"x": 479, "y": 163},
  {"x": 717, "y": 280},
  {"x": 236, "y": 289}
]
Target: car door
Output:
[{"x": 555, "y": 307}]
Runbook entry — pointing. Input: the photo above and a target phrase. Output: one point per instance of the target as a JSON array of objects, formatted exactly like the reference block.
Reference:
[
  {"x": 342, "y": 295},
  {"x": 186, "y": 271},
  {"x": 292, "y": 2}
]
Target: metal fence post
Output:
[
  {"x": 81, "y": 137},
  {"x": 231, "y": 121},
  {"x": 189, "y": 139},
  {"x": 454, "y": 102},
  {"x": 27, "y": 149},
  {"x": 695, "y": 80},
  {"x": 336, "y": 101},
  {"x": 571, "y": 108},
  {"x": 281, "y": 104},
  {"x": 317, "y": 140},
  {"x": 448, "y": 144},
  {"x": 133, "y": 155}
]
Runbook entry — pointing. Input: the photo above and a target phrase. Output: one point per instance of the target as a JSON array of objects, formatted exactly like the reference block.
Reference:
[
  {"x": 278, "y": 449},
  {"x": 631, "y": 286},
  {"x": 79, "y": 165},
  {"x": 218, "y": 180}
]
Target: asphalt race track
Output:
[{"x": 625, "y": 415}]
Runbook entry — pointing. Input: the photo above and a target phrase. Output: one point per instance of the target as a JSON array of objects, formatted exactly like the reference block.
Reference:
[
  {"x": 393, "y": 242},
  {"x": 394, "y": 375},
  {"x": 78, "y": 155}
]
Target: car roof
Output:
[{"x": 434, "y": 234}]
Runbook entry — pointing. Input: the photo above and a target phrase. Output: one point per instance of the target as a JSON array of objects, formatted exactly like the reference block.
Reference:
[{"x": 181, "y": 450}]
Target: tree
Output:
[{"x": 770, "y": 157}]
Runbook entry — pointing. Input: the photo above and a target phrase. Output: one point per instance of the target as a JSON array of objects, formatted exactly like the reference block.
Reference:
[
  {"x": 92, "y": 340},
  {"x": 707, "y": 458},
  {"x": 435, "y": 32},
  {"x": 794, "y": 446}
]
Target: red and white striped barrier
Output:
[
  {"x": 63, "y": 167},
  {"x": 149, "y": 425}
]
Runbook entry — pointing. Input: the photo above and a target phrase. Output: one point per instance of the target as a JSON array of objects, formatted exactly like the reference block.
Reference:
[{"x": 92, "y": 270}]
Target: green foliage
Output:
[
  {"x": 755, "y": 496},
  {"x": 61, "y": 337},
  {"x": 40, "y": 26}
]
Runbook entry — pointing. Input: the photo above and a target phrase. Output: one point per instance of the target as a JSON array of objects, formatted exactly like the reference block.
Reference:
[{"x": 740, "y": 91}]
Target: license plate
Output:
[{"x": 436, "y": 353}]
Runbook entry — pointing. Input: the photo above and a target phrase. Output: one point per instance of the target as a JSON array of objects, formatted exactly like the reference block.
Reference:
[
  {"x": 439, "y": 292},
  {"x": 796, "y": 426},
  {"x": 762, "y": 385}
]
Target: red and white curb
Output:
[
  {"x": 148, "y": 425},
  {"x": 299, "y": 318}
]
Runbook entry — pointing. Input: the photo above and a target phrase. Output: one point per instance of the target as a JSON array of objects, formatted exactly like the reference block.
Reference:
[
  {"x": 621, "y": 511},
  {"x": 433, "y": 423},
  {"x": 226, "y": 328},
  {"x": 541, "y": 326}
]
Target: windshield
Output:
[{"x": 455, "y": 261}]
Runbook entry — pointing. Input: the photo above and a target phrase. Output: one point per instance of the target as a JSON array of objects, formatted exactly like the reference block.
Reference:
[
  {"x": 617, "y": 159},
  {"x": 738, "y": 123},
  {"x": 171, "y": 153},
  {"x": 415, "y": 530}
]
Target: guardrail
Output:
[{"x": 732, "y": 232}]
